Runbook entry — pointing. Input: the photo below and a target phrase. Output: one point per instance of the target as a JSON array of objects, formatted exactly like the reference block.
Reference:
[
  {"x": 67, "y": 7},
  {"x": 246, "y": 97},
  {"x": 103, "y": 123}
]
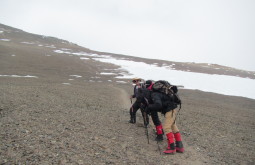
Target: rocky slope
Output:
[{"x": 58, "y": 109}]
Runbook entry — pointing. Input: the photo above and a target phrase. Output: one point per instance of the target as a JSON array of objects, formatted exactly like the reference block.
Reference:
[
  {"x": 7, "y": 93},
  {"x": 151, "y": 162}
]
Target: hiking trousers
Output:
[
  {"x": 134, "y": 108},
  {"x": 169, "y": 124},
  {"x": 155, "y": 118}
]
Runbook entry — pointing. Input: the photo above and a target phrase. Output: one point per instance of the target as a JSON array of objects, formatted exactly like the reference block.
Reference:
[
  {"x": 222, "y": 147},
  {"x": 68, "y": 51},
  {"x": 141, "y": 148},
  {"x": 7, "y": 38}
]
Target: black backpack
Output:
[
  {"x": 144, "y": 96},
  {"x": 165, "y": 87}
]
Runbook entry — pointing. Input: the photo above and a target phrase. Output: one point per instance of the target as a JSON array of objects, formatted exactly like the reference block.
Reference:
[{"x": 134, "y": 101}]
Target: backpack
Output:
[
  {"x": 165, "y": 87},
  {"x": 144, "y": 96}
]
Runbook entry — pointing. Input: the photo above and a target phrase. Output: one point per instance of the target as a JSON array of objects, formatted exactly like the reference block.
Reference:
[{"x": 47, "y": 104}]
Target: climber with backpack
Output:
[
  {"x": 165, "y": 99},
  {"x": 144, "y": 95},
  {"x": 137, "y": 104},
  {"x": 144, "y": 98}
]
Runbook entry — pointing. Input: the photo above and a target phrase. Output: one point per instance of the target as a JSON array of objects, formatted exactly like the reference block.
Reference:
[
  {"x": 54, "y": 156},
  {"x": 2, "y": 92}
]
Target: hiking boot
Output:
[
  {"x": 170, "y": 141},
  {"x": 170, "y": 149},
  {"x": 178, "y": 142},
  {"x": 159, "y": 137},
  {"x": 132, "y": 120},
  {"x": 179, "y": 147},
  {"x": 132, "y": 116},
  {"x": 159, "y": 130}
]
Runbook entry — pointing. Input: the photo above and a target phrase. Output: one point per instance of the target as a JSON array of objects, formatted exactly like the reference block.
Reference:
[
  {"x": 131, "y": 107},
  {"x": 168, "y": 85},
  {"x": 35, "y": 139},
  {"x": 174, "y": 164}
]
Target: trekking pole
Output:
[
  {"x": 159, "y": 148},
  {"x": 146, "y": 125}
]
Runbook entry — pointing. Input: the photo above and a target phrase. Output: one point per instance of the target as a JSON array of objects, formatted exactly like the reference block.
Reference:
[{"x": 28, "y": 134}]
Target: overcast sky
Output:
[{"x": 211, "y": 31}]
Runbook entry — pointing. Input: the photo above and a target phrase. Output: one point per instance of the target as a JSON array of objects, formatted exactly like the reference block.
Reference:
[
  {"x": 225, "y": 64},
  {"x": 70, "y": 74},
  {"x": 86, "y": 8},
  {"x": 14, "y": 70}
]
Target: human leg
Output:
[
  {"x": 132, "y": 111},
  {"x": 177, "y": 136},
  {"x": 158, "y": 125},
  {"x": 168, "y": 125}
]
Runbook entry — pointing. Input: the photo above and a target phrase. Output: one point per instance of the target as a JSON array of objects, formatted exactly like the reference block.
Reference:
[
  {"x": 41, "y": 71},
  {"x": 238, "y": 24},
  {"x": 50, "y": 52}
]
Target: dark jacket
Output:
[
  {"x": 161, "y": 103},
  {"x": 144, "y": 96},
  {"x": 136, "y": 90}
]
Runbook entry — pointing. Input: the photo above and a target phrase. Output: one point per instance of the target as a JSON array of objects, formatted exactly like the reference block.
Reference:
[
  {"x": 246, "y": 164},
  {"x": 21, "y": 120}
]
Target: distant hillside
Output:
[{"x": 19, "y": 36}]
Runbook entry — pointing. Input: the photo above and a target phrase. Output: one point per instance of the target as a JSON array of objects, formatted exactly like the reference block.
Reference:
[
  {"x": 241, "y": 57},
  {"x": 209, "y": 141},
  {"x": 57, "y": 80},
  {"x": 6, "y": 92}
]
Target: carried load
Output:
[{"x": 165, "y": 87}]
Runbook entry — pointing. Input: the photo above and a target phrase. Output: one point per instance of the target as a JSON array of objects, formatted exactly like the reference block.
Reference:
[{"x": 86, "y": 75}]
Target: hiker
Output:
[
  {"x": 143, "y": 99},
  {"x": 137, "y": 104},
  {"x": 167, "y": 105},
  {"x": 146, "y": 94}
]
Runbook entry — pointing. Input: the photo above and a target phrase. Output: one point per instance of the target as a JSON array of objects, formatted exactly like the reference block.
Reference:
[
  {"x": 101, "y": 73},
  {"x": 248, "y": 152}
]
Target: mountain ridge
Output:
[{"x": 182, "y": 66}]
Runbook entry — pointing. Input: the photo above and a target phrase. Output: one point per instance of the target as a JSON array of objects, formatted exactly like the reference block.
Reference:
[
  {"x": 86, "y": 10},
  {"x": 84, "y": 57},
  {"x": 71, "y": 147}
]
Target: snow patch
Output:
[
  {"x": 5, "y": 39},
  {"x": 96, "y": 77},
  {"x": 105, "y": 73},
  {"x": 29, "y": 43},
  {"x": 222, "y": 84},
  {"x": 82, "y": 54},
  {"x": 76, "y": 76},
  {"x": 27, "y": 76},
  {"x": 123, "y": 82},
  {"x": 66, "y": 83},
  {"x": 84, "y": 58},
  {"x": 50, "y": 46},
  {"x": 110, "y": 69},
  {"x": 60, "y": 51},
  {"x": 168, "y": 67},
  {"x": 65, "y": 49}
]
